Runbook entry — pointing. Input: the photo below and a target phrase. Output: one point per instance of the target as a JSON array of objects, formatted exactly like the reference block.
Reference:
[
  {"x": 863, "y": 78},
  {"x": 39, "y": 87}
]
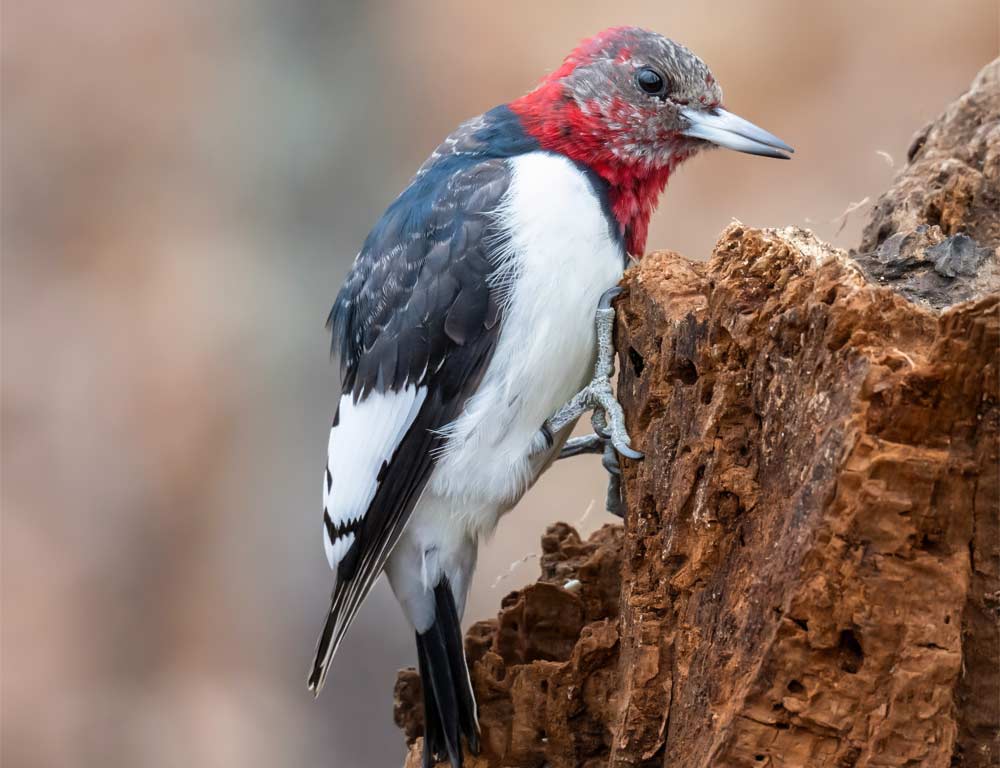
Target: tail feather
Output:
[
  {"x": 329, "y": 639},
  {"x": 433, "y": 737},
  {"x": 449, "y": 703},
  {"x": 344, "y": 604},
  {"x": 348, "y": 595},
  {"x": 447, "y": 616}
]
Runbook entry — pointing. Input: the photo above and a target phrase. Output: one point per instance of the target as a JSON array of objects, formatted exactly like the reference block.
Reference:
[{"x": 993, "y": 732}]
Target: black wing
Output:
[{"x": 418, "y": 311}]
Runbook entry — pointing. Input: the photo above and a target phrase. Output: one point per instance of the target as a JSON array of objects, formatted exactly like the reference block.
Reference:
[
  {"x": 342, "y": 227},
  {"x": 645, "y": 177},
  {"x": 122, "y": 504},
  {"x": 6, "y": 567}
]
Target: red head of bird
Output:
[{"x": 631, "y": 105}]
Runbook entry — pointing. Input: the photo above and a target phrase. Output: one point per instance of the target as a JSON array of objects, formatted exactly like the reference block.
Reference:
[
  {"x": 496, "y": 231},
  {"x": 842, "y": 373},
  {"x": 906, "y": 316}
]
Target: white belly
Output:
[{"x": 561, "y": 258}]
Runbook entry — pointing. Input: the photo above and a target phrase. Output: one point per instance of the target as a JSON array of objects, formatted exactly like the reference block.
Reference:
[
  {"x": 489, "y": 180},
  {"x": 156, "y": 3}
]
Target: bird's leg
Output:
[
  {"x": 611, "y": 437},
  {"x": 598, "y": 396}
]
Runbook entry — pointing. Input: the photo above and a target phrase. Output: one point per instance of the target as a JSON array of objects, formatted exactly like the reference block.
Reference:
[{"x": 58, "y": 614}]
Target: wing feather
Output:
[{"x": 417, "y": 314}]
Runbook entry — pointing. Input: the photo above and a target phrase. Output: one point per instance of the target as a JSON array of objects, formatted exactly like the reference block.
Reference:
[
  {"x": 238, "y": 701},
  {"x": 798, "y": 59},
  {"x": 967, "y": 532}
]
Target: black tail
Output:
[{"x": 449, "y": 704}]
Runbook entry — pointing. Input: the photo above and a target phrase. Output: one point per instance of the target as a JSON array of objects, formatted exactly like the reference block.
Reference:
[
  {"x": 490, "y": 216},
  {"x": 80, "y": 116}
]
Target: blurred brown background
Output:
[{"x": 184, "y": 187}]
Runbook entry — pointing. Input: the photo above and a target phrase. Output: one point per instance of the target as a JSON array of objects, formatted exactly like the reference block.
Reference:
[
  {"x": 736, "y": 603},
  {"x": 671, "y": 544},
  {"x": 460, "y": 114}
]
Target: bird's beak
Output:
[{"x": 733, "y": 132}]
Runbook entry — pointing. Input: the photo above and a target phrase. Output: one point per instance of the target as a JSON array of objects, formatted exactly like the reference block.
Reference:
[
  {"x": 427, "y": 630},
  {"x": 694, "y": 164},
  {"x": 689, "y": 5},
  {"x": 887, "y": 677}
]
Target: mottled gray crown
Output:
[{"x": 614, "y": 57}]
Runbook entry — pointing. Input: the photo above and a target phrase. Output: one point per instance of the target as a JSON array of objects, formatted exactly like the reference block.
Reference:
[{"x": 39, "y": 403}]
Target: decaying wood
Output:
[{"x": 809, "y": 568}]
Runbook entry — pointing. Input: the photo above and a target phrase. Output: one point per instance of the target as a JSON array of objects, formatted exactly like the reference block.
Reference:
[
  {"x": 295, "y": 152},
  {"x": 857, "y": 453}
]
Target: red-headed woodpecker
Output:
[{"x": 467, "y": 321}]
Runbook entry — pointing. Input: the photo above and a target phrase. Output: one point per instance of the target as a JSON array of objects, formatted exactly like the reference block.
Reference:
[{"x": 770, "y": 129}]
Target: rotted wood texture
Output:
[{"x": 809, "y": 568}]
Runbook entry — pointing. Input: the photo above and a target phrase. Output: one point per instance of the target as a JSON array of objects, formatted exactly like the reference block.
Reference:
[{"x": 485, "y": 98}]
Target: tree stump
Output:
[{"x": 809, "y": 568}]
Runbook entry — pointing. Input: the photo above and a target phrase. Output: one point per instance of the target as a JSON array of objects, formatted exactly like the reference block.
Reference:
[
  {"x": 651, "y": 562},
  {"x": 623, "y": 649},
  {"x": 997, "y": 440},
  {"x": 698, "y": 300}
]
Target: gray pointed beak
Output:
[{"x": 732, "y": 132}]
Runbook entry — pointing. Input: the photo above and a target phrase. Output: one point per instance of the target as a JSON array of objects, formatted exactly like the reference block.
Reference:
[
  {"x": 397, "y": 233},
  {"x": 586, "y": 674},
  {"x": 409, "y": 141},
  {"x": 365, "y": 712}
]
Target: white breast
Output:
[{"x": 561, "y": 258}]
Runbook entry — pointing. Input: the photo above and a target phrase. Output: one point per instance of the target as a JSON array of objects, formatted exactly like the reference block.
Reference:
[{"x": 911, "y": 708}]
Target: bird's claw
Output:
[
  {"x": 577, "y": 446},
  {"x": 608, "y": 296},
  {"x": 608, "y": 418},
  {"x": 614, "y": 501}
]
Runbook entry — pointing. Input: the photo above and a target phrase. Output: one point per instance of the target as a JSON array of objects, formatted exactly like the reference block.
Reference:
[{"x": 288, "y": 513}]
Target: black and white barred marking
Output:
[{"x": 362, "y": 441}]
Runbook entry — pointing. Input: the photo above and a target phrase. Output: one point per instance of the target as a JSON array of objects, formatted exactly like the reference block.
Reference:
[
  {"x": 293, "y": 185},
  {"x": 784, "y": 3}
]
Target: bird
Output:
[{"x": 471, "y": 322}]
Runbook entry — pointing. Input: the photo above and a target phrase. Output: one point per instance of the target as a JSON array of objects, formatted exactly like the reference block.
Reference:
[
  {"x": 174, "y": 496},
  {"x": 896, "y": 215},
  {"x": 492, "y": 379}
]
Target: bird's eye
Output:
[{"x": 651, "y": 81}]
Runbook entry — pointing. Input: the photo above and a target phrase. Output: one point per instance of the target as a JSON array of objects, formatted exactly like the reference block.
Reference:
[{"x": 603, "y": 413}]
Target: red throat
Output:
[{"x": 559, "y": 125}]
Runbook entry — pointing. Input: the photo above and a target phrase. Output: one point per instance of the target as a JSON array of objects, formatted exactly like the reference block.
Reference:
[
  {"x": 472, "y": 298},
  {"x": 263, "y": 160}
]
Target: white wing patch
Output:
[{"x": 365, "y": 437}]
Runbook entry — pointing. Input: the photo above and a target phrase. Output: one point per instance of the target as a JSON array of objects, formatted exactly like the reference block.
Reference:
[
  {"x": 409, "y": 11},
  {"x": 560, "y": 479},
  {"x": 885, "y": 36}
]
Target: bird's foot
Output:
[
  {"x": 598, "y": 396},
  {"x": 610, "y": 437}
]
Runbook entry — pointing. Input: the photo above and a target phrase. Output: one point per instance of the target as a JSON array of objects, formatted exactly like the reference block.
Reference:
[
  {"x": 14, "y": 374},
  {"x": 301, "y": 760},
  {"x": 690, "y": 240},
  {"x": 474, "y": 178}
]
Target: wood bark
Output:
[{"x": 809, "y": 568}]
